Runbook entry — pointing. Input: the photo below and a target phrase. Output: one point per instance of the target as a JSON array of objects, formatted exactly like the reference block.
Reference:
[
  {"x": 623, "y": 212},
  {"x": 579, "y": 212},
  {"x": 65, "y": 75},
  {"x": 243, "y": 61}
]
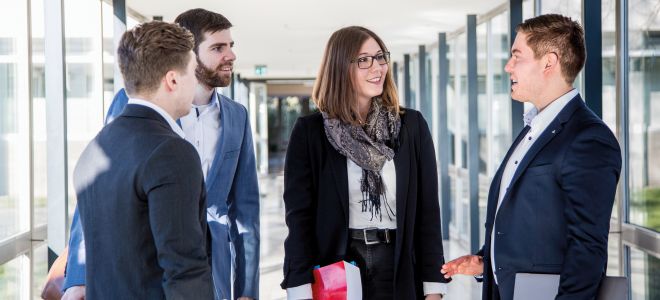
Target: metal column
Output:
[
  {"x": 593, "y": 68},
  {"x": 515, "y": 18},
  {"x": 473, "y": 132},
  {"x": 406, "y": 81},
  {"x": 444, "y": 143}
]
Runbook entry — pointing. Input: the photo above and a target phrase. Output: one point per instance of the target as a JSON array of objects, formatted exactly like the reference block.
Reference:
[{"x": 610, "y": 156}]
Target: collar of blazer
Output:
[
  {"x": 219, "y": 152},
  {"x": 140, "y": 111},
  {"x": 548, "y": 134}
]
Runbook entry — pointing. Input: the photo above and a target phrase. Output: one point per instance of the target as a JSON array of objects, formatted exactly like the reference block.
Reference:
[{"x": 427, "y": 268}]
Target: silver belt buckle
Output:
[{"x": 366, "y": 240}]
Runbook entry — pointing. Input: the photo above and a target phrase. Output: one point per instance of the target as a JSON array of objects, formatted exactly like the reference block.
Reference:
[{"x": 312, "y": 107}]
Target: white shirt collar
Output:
[
  {"x": 540, "y": 120},
  {"x": 161, "y": 112},
  {"x": 213, "y": 102}
]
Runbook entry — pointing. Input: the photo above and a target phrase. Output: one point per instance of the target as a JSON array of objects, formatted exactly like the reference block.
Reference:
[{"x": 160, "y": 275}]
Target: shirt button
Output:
[
  {"x": 530, "y": 138},
  {"x": 516, "y": 162}
]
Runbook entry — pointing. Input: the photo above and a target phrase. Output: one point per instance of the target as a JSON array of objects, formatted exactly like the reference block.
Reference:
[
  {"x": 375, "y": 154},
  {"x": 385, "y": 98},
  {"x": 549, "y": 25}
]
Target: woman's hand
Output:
[{"x": 433, "y": 297}]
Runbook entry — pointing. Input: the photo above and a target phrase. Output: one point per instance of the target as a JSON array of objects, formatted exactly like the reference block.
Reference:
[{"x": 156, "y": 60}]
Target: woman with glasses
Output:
[{"x": 360, "y": 181}]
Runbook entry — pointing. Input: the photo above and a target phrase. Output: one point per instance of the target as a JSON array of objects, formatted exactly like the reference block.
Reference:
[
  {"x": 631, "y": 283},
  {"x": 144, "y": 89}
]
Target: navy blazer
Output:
[
  {"x": 232, "y": 191},
  {"x": 142, "y": 205},
  {"x": 555, "y": 216},
  {"x": 316, "y": 200}
]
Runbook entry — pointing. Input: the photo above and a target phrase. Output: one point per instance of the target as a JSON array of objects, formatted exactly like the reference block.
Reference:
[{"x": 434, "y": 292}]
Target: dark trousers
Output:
[{"x": 376, "y": 263}]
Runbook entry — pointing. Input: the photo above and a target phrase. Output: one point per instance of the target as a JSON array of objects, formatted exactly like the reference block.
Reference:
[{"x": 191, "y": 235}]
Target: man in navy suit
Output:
[
  {"x": 550, "y": 202},
  {"x": 139, "y": 184},
  {"x": 219, "y": 129}
]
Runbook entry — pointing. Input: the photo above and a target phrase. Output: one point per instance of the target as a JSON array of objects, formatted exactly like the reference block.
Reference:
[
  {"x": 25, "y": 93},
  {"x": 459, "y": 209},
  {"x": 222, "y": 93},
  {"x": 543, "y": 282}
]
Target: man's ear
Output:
[
  {"x": 170, "y": 81},
  {"x": 551, "y": 60}
]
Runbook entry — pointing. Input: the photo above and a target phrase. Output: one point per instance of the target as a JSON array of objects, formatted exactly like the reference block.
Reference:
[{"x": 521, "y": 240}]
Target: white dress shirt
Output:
[
  {"x": 357, "y": 219},
  {"x": 202, "y": 128},
  {"x": 538, "y": 122},
  {"x": 161, "y": 112}
]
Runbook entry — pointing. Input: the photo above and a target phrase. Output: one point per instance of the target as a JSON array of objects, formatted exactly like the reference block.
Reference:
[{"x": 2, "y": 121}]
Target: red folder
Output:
[{"x": 338, "y": 281}]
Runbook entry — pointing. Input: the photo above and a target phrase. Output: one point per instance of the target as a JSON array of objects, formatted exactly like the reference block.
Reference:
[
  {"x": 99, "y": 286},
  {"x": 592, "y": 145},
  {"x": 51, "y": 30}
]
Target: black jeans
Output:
[{"x": 376, "y": 263}]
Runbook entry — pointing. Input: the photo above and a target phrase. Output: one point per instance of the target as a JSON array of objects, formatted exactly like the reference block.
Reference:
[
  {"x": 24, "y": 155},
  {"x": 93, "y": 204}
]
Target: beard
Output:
[{"x": 210, "y": 77}]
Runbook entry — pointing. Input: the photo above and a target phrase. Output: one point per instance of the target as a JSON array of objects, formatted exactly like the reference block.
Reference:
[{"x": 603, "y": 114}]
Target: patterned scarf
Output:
[{"x": 366, "y": 146}]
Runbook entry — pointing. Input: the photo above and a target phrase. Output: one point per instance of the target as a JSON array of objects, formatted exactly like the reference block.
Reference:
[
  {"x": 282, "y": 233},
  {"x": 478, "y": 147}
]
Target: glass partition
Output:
[{"x": 644, "y": 106}]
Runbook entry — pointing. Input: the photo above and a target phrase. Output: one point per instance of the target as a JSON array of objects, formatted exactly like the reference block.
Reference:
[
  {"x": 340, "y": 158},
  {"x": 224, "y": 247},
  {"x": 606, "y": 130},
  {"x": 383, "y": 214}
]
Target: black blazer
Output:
[
  {"x": 316, "y": 199},
  {"x": 555, "y": 216},
  {"x": 142, "y": 206}
]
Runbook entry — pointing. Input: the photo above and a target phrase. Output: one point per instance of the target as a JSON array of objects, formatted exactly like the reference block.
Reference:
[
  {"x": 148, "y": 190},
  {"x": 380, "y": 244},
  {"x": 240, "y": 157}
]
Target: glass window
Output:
[
  {"x": 459, "y": 110},
  {"x": 39, "y": 168},
  {"x": 644, "y": 275},
  {"x": 451, "y": 100},
  {"x": 14, "y": 278},
  {"x": 528, "y": 9},
  {"x": 434, "y": 78},
  {"x": 39, "y": 267},
  {"x": 108, "y": 55},
  {"x": 609, "y": 63},
  {"x": 610, "y": 104},
  {"x": 572, "y": 9},
  {"x": 484, "y": 115},
  {"x": 644, "y": 104},
  {"x": 501, "y": 87},
  {"x": 84, "y": 79},
  {"x": 569, "y": 8},
  {"x": 14, "y": 119}
]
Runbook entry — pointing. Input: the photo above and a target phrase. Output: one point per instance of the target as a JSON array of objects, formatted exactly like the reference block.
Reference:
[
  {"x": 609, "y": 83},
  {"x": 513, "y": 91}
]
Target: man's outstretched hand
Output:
[{"x": 472, "y": 265}]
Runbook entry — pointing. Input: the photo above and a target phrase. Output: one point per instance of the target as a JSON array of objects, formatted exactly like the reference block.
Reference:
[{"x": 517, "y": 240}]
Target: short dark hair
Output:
[
  {"x": 559, "y": 34},
  {"x": 150, "y": 50},
  {"x": 200, "y": 21},
  {"x": 334, "y": 89}
]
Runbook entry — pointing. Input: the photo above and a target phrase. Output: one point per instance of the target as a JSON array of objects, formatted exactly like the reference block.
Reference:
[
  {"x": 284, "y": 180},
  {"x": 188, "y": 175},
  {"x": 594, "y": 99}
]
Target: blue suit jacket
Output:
[
  {"x": 555, "y": 216},
  {"x": 233, "y": 207}
]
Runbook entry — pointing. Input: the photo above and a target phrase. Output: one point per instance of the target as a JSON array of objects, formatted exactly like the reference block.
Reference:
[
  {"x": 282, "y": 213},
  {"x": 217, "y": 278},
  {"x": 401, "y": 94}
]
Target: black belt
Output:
[{"x": 374, "y": 235}]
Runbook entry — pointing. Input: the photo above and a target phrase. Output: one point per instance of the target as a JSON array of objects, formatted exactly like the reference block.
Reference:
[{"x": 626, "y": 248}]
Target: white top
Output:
[
  {"x": 358, "y": 220},
  {"x": 538, "y": 122},
  {"x": 202, "y": 127},
  {"x": 161, "y": 112}
]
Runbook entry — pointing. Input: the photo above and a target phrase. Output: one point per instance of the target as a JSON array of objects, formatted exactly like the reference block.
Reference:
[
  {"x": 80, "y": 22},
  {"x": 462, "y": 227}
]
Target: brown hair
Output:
[
  {"x": 150, "y": 50},
  {"x": 200, "y": 21},
  {"x": 334, "y": 91},
  {"x": 559, "y": 34}
]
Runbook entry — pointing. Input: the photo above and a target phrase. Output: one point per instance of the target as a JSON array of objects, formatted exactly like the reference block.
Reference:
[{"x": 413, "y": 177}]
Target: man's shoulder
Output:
[
  {"x": 586, "y": 121},
  {"x": 232, "y": 105}
]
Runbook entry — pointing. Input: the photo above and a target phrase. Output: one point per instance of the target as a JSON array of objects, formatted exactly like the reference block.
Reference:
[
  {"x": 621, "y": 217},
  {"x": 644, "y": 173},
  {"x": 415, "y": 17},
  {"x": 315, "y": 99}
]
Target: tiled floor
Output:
[{"x": 274, "y": 231}]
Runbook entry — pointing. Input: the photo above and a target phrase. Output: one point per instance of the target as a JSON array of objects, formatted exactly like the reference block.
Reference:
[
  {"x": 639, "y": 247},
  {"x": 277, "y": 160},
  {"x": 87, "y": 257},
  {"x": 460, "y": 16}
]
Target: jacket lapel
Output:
[
  {"x": 548, "y": 134},
  {"x": 402, "y": 166},
  {"x": 217, "y": 159},
  {"x": 340, "y": 171},
  {"x": 494, "y": 192}
]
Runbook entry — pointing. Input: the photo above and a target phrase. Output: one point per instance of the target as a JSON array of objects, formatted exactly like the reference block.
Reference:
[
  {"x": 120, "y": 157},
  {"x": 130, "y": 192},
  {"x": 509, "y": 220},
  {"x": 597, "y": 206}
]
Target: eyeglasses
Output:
[{"x": 365, "y": 62}]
